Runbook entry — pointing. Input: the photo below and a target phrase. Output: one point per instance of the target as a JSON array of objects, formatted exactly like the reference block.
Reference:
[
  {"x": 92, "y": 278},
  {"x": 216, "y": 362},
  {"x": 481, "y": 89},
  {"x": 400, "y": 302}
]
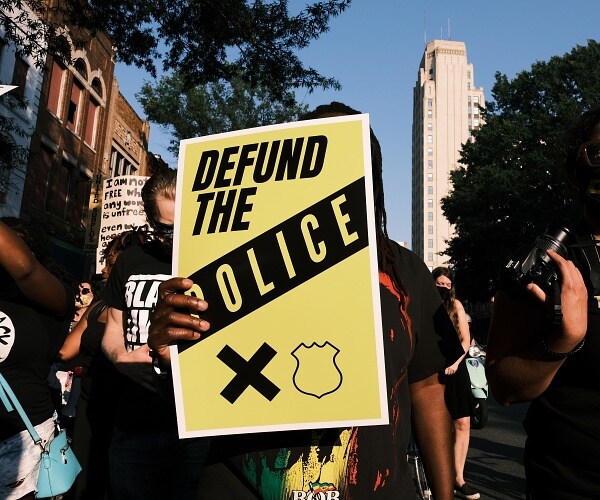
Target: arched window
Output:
[
  {"x": 81, "y": 68},
  {"x": 97, "y": 86}
]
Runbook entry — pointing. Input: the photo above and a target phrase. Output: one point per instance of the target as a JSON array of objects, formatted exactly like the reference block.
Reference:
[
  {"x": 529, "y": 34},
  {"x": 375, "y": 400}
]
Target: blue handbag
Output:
[{"x": 58, "y": 465}]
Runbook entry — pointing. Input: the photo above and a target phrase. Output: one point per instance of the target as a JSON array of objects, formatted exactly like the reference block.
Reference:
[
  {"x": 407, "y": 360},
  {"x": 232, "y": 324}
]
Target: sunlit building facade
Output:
[{"x": 445, "y": 112}]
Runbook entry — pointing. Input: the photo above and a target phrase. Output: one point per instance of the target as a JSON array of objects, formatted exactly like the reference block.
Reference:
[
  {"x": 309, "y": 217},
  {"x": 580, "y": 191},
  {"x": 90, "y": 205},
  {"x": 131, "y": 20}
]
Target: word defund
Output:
[
  {"x": 286, "y": 160},
  {"x": 225, "y": 210}
]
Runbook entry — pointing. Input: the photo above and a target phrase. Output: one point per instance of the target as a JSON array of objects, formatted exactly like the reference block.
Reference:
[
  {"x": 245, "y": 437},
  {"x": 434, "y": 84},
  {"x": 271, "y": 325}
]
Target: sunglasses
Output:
[{"x": 590, "y": 152}]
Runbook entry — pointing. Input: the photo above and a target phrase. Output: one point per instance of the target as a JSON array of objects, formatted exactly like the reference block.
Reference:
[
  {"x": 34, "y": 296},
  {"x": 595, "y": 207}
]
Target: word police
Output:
[{"x": 299, "y": 158}]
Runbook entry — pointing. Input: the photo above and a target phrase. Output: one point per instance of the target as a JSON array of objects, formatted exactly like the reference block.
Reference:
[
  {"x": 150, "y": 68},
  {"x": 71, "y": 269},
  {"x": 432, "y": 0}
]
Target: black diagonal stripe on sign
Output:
[
  {"x": 270, "y": 259},
  {"x": 248, "y": 373}
]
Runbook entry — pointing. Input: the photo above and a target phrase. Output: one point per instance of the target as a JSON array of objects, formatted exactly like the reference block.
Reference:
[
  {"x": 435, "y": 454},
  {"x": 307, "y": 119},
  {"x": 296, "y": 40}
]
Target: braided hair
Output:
[{"x": 385, "y": 253}]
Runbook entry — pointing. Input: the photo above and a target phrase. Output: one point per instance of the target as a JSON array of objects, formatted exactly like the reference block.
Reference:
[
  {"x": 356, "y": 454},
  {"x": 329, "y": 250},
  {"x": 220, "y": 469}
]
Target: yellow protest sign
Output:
[{"x": 275, "y": 226}]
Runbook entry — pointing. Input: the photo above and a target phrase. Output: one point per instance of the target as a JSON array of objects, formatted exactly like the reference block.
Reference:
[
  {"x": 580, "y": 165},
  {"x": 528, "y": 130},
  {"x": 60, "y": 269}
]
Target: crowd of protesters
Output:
[{"x": 122, "y": 417}]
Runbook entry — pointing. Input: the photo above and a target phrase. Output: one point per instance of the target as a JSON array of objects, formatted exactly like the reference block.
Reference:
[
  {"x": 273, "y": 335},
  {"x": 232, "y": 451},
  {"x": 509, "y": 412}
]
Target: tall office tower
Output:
[{"x": 445, "y": 111}]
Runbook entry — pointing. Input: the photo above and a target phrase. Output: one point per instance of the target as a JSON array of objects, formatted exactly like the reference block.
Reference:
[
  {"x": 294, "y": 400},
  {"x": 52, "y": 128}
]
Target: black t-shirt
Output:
[
  {"x": 29, "y": 341},
  {"x": 563, "y": 424},
  {"x": 359, "y": 462},
  {"x": 133, "y": 287}
]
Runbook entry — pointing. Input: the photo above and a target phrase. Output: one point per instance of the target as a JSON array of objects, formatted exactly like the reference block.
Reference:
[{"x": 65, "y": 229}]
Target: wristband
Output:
[{"x": 560, "y": 355}]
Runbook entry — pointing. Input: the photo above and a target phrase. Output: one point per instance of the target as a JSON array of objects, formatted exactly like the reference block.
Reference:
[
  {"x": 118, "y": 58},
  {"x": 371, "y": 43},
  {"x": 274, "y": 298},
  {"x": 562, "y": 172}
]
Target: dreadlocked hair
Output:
[{"x": 385, "y": 253}]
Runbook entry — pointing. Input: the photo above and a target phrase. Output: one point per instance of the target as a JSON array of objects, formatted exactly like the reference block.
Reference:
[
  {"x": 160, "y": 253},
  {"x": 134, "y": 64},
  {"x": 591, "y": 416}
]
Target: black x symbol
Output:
[{"x": 247, "y": 373}]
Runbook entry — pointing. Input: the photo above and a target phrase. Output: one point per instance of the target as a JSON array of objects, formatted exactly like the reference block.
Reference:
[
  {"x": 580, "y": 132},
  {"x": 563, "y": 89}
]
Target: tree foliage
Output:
[
  {"x": 12, "y": 154},
  {"x": 203, "y": 40},
  {"x": 512, "y": 182},
  {"x": 25, "y": 26},
  {"x": 212, "y": 108}
]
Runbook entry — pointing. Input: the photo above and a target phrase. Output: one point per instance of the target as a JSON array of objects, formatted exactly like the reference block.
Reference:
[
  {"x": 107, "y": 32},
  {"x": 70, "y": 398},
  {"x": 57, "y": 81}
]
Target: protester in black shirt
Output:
[
  {"x": 35, "y": 310},
  {"x": 557, "y": 366},
  {"x": 147, "y": 458},
  {"x": 360, "y": 462}
]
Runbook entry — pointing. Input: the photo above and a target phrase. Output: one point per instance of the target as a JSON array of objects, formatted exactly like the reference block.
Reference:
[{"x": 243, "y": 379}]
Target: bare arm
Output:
[
  {"x": 135, "y": 364},
  {"x": 518, "y": 369},
  {"x": 432, "y": 426},
  {"x": 463, "y": 335},
  {"x": 34, "y": 280},
  {"x": 72, "y": 344}
]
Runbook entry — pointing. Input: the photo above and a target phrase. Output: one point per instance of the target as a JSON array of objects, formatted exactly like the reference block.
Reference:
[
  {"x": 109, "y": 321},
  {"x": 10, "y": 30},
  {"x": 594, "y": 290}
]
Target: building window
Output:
[
  {"x": 121, "y": 165},
  {"x": 97, "y": 86},
  {"x": 468, "y": 85},
  {"x": 429, "y": 163},
  {"x": 430, "y": 203},
  {"x": 429, "y": 151},
  {"x": 19, "y": 77},
  {"x": 429, "y": 113},
  {"x": 476, "y": 99},
  {"x": 430, "y": 243},
  {"x": 91, "y": 123},
  {"x": 476, "y": 122},
  {"x": 81, "y": 68},
  {"x": 429, "y": 138},
  {"x": 429, "y": 189},
  {"x": 430, "y": 256},
  {"x": 79, "y": 185},
  {"x": 429, "y": 126},
  {"x": 56, "y": 86},
  {"x": 429, "y": 216},
  {"x": 60, "y": 188},
  {"x": 429, "y": 177},
  {"x": 41, "y": 179},
  {"x": 74, "y": 111},
  {"x": 429, "y": 102},
  {"x": 429, "y": 229}
]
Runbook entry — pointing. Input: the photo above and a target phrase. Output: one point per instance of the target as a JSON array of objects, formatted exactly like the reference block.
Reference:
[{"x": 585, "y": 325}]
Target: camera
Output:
[{"x": 533, "y": 265}]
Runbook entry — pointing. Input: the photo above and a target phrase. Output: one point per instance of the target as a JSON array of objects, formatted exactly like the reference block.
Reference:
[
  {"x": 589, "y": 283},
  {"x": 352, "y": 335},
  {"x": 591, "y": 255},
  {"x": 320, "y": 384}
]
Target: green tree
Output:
[
  {"x": 12, "y": 154},
  {"x": 212, "y": 108},
  {"x": 203, "y": 40},
  {"x": 511, "y": 183}
]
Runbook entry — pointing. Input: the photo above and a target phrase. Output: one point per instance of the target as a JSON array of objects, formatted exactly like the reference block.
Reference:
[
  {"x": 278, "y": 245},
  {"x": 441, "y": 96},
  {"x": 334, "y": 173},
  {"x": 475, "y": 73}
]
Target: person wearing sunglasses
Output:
[
  {"x": 84, "y": 296},
  {"x": 147, "y": 460},
  {"x": 554, "y": 361}
]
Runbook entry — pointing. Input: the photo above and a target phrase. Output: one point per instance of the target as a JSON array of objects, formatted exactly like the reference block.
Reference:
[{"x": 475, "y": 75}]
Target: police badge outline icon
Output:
[{"x": 314, "y": 370}]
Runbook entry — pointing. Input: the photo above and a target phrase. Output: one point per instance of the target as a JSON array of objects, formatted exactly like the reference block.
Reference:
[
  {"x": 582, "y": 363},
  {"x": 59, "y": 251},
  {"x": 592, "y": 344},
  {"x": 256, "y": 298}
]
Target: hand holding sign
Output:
[{"x": 175, "y": 317}]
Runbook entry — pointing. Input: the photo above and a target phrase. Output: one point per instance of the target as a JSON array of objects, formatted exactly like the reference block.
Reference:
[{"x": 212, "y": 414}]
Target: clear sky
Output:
[{"x": 374, "y": 50}]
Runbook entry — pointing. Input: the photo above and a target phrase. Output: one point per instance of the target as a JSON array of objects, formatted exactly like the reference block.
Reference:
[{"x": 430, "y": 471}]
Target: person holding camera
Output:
[{"x": 544, "y": 343}]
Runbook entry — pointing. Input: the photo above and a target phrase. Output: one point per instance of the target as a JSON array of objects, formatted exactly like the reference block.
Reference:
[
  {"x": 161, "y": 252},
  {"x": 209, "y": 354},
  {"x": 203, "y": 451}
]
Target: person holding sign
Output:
[
  {"x": 147, "y": 459},
  {"x": 355, "y": 462}
]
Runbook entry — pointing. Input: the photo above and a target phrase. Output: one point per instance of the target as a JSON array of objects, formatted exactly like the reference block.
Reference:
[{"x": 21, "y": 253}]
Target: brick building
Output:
[{"x": 84, "y": 126}]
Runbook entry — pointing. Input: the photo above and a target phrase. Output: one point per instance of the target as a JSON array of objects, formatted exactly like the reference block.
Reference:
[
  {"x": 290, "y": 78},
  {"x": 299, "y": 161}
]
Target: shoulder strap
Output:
[{"x": 10, "y": 401}]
